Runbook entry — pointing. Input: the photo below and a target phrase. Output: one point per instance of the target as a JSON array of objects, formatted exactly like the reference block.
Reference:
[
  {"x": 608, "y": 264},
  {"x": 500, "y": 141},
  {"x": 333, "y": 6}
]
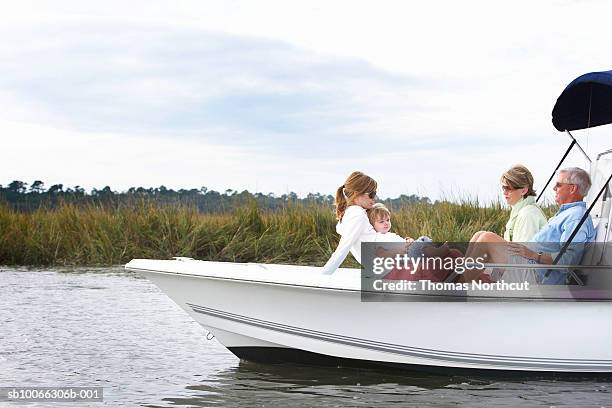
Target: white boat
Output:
[
  {"x": 285, "y": 313},
  {"x": 272, "y": 313}
]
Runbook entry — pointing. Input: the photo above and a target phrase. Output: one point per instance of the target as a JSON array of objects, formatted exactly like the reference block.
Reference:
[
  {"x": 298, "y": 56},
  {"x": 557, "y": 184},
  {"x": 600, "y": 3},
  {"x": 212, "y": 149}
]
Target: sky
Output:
[{"x": 430, "y": 98}]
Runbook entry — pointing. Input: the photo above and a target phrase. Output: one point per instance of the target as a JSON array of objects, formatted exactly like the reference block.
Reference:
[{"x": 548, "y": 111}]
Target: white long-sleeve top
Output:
[{"x": 355, "y": 228}]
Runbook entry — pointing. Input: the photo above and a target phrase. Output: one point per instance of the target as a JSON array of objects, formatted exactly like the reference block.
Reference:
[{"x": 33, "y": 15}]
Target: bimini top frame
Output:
[{"x": 586, "y": 102}]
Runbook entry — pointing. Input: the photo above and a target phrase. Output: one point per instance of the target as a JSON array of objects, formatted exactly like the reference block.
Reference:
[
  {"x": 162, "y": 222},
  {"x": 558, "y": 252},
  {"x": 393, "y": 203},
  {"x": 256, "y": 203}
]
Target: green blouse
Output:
[{"x": 526, "y": 218}]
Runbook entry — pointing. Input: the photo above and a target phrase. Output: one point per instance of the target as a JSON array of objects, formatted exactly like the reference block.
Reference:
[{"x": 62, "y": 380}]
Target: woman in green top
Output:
[{"x": 526, "y": 218}]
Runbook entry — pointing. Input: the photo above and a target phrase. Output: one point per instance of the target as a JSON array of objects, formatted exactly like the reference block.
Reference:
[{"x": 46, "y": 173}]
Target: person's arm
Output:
[
  {"x": 573, "y": 253},
  {"x": 395, "y": 244},
  {"x": 353, "y": 227},
  {"x": 515, "y": 248},
  {"x": 389, "y": 237},
  {"x": 571, "y": 256}
]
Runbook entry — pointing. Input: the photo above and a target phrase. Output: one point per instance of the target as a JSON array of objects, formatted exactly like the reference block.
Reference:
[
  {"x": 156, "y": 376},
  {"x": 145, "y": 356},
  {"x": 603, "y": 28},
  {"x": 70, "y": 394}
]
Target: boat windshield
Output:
[{"x": 600, "y": 171}]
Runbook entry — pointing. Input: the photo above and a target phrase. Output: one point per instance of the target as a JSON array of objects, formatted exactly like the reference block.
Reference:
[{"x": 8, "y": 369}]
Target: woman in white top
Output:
[{"x": 353, "y": 198}]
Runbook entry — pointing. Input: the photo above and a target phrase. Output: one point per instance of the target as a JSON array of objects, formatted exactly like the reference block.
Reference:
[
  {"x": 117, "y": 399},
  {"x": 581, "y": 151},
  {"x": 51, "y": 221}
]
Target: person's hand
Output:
[{"x": 521, "y": 250}]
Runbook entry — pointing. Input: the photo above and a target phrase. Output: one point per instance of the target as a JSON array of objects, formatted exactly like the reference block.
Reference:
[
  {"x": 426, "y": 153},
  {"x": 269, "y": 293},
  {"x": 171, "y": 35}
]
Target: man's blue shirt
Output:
[{"x": 556, "y": 233}]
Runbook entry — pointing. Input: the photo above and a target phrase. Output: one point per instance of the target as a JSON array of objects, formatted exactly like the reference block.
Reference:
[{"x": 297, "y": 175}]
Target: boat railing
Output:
[{"x": 575, "y": 272}]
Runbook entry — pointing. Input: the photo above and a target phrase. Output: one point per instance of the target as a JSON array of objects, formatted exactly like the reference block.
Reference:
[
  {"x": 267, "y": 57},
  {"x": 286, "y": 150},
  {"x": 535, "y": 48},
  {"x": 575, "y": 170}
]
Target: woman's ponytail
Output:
[
  {"x": 340, "y": 202},
  {"x": 356, "y": 183}
]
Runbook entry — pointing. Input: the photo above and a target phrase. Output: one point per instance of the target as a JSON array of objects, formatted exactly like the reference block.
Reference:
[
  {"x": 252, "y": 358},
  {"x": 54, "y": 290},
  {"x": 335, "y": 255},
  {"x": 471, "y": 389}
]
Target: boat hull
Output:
[{"x": 273, "y": 321}]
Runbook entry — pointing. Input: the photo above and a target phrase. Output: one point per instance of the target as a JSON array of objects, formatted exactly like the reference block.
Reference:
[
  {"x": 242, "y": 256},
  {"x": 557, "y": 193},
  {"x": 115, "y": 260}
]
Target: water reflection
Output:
[{"x": 250, "y": 384}]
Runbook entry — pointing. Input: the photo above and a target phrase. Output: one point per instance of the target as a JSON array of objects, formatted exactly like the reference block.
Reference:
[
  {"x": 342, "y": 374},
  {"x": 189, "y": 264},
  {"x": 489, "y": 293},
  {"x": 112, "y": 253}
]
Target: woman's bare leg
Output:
[
  {"x": 489, "y": 247},
  {"x": 473, "y": 240}
]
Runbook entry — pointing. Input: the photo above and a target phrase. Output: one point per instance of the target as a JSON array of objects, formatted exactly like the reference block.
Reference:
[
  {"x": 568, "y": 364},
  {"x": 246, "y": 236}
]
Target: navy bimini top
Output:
[{"x": 586, "y": 102}]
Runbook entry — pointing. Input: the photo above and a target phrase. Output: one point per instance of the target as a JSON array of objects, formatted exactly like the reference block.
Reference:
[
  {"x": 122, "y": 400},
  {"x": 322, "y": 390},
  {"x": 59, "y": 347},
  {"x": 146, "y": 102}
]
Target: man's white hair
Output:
[{"x": 579, "y": 177}]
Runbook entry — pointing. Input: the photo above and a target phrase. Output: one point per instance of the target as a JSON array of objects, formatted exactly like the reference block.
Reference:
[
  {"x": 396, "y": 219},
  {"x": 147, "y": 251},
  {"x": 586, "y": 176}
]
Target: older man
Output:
[{"x": 572, "y": 186}]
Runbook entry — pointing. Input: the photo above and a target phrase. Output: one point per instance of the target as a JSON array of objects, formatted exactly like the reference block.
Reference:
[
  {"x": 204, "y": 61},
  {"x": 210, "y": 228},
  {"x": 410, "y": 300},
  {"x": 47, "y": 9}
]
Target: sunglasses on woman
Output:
[{"x": 372, "y": 194}]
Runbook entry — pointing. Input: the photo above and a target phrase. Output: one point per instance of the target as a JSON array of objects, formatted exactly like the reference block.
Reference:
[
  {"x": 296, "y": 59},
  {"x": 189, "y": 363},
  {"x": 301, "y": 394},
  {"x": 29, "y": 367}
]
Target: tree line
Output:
[{"x": 22, "y": 196}]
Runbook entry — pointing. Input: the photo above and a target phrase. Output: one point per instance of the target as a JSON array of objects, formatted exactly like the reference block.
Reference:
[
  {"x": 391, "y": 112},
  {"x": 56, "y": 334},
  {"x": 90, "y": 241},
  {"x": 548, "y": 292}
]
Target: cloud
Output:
[
  {"x": 420, "y": 96},
  {"x": 213, "y": 87}
]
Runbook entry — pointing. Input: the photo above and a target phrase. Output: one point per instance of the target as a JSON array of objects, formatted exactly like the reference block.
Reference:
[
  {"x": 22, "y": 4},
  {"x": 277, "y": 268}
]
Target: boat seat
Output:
[{"x": 595, "y": 252}]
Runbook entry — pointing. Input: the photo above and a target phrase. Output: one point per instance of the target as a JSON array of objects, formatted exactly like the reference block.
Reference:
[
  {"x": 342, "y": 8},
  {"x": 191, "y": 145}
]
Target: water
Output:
[{"x": 109, "y": 328}]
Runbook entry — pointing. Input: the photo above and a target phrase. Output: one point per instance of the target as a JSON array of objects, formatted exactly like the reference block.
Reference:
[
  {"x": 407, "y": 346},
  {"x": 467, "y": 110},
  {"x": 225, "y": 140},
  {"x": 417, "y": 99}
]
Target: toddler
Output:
[{"x": 380, "y": 218}]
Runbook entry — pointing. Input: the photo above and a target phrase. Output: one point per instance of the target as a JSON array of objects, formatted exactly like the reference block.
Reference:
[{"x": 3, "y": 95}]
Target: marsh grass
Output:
[{"x": 298, "y": 234}]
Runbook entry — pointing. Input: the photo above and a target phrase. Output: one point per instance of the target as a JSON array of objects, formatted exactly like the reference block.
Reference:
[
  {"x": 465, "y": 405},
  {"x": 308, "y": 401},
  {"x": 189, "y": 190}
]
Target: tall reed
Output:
[{"x": 297, "y": 234}]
